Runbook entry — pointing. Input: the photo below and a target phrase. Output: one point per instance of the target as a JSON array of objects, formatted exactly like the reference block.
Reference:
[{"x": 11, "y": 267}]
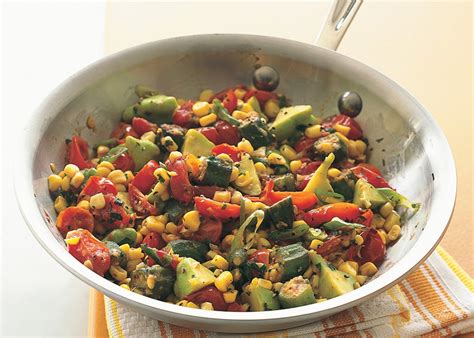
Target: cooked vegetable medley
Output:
[{"x": 238, "y": 201}]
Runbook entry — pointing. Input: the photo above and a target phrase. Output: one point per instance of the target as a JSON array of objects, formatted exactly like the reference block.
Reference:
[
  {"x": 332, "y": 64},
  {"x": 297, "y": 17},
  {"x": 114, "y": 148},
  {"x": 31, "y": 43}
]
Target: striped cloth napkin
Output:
[{"x": 436, "y": 300}]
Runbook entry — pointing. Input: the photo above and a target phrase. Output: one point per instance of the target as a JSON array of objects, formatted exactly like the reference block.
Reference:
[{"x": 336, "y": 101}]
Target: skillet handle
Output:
[{"x": 339, "y": 18}]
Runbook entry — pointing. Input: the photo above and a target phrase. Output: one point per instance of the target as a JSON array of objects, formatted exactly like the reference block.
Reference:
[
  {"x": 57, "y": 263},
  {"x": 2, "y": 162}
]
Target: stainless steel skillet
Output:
[{"x": 411, "y": 148}]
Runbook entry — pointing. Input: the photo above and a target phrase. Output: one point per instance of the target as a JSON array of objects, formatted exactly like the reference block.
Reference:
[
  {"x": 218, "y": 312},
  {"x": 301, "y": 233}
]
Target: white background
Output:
[{"x": 425, "y": 46}]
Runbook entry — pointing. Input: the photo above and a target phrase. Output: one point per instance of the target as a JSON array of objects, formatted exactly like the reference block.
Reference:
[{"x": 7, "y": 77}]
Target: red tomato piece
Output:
[
  {"x": 184, "y": 117},
  {"x": 181, "y": 188},
  {"x": 141, "y": 126},
  {"x": 113, "y": 215},
  {"x": 74, "y": 218},
  {"x": 206, "y": 190},
  {"x": 124, "y": 162},
  {"x": 372, "y": 250},
  {"x": 355, "y": 132},
  {"x": 230, "y": 101},
  {"x": 261, "y": 256},
  {"x": 227, "y": 133},
  {"x": 373, "y": 177},
  {"x": 89, "y": 248},
  {"x": 330, "y": 246},
  {"x": 78, "y": 152},
  {"x": 366, "y": 218},
  {"x": 345, "y": 211},
  {"x": 208, "y": 294},
  {"x": 304, "y": 144},
  {"x": 96, "y": 184},
  {"x": 225, "y": 148},
  {"x": 211, "y": 134},
  {"x": 139, "y": 201},
  {"x": 209, "y": 230},
  {"x": 210, "y": 208},
  {"x": 154, "y": 240},
  {"x": 144, "y": 180},
  {"x": 123, "y": 130},
  {"x": 309, "y": 167}
]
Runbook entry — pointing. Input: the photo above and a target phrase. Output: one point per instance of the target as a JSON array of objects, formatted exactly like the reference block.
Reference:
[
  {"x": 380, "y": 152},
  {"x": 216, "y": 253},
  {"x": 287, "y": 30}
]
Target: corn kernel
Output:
[
  {"x": 276, "y": 159},
  {"x": 143, "y": 230},
  {"x": 191, "y": 220},
  {"x": 208, "y": 120},
  {"x": 245, "y": 146},
  {"x": 263, "y": 243},
  {"x": 333, "y": 172},
  {"x": 174, "y": 155},
  {"x": 117, "y": 177},
  {"x": 222, "y": 196},
  {"x": 129, "y": 175},
  {"x": 359, "y": 240},
  {"x": 201, "y": 108},
  {"x": 54, "y": 182},
  {"x": 150, "y": 282},
  {"x": 313, "y": 131},
  {"x": 260, "y": 168},
  {"x": 153, "y": 224},
  {"x": 118, "y": 273},
  {"x": 271, "y": 108},
  {"x": 169, "y": 143},
  {"x": 344, "y": 130},
  {"x": 169, "y": 237},
  {"x": 182, "y": 302},
  {"x": 206, "y": 95},
  {"x": 392, "y": 219},
  {"x": 360, "y": 146},
  {"x": 225, "y": 157},
  {"x": 135, "y": 253},
  {"x": 295, "y": 166},
  {"x": 240, "y": 93},
  {"x": 348, "y": 268},
  {"x": 352, "y": 149},
  {"x": 240, "y": 115},
  {"x": 224, "y": 280},
  {"x": 52, "y": 167},
  {"x": 125, "y": 286},
  {"x": 207, "y": 306},
  {"x": 97, "y": 201},
  {"x": 220, "y": 262},
  {"x": 88, "y": 264},
  {"x": 243, "y": 179},
  {"x": 65, "y": 183},
  {"x": 227, "y": 241},
  {"x": 172, "y": 228},
  {"x": 61, "y": 174},
  {"x": 71, "y": 170},
  {"x": 192, "y": 305},
  {"x": 106, "y": 164},
  {"x": 386, "y": 209},
  {"x": 230, "y": 296},
  {"x": 361, "y": 279},
  {"x": 383, "y": 236},
  {"x": 60, "y": 204},
  {"x": 72, "y": 240},
  {"x": 236, "y": 197},
  {"x": 315, "y": 243},
  {"x": 125, "y": 248},
  {"x": 83, "y": 205},
  {"x": 288, "y": 152},
  {"x": 263, "y": 283},
  {"x": 326, "y": 147},
  {"x": 77, "y": 180},
  {"x": 139, "y": 238},
  {"x": 103, "y": 171},
  {"x": 394, "y": 232},
  {"x": 368, "y": 269},
  {"x": 102, "y": 150}
]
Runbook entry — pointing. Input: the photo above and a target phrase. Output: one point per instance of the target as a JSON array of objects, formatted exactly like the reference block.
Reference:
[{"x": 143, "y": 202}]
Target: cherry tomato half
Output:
[
  {"x": 209, "y": 230},
  {"x": 74, "y": 218},
  {"x": 227, "y": 133},
  {"x": 139, "y": 201},
  {"x": 113, "y": 215},
  {"x": 96, "y": 184},
  {"x": 144, "y": 180},
  {"x": 141, "y": 125},
  {"x": 372, "y": 250}
]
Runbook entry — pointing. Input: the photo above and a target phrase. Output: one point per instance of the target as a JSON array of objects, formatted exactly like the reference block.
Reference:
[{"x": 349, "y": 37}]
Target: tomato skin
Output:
[
  {"x": 208, "y": 294},
  {"x": 210, "y": 208},
  {"x": 123, "y": 130},
  {"x": 235, "y": 307},
  {"x": 211, "y": 134},
  {"x": 89, "y": 248},
  {"x": 78, "y": 152},
  {"x": 209, "y": 230},
  {"x": 181, "y": 188},
  {"x": 184, "y": 116},
  {"x": 139, "y": 201},
  {"x": 304, "y": 144},
  {"x": 227, "y": 133},
  {"x": 230, "y": 101},
  {"x": 96, "y": 184},
  {"x": 309, "y": 167},
  {"x": 372, "y": 250},
  {"x": 343, "y": 210},
  {"x": 371, "y": 174},
  {"x": 74, "y": 218},
  {"x": 154, "y": 240},
  {"x": 113, "y": 215},
  {"x": 329, "y": 246},
  {"x": 261, "y": 256},
  {"x": 206, "y": 190},
  {"x": 261, "y": 95},
  {"x": 144, "y": 180},
  {"x": 302, "y": 199},
  {"x": 356, "y": 131},
  {"x": 124, "y": 162},
  {"x": 225, "y": 148},
  {"x": 141, "y": 126}
]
